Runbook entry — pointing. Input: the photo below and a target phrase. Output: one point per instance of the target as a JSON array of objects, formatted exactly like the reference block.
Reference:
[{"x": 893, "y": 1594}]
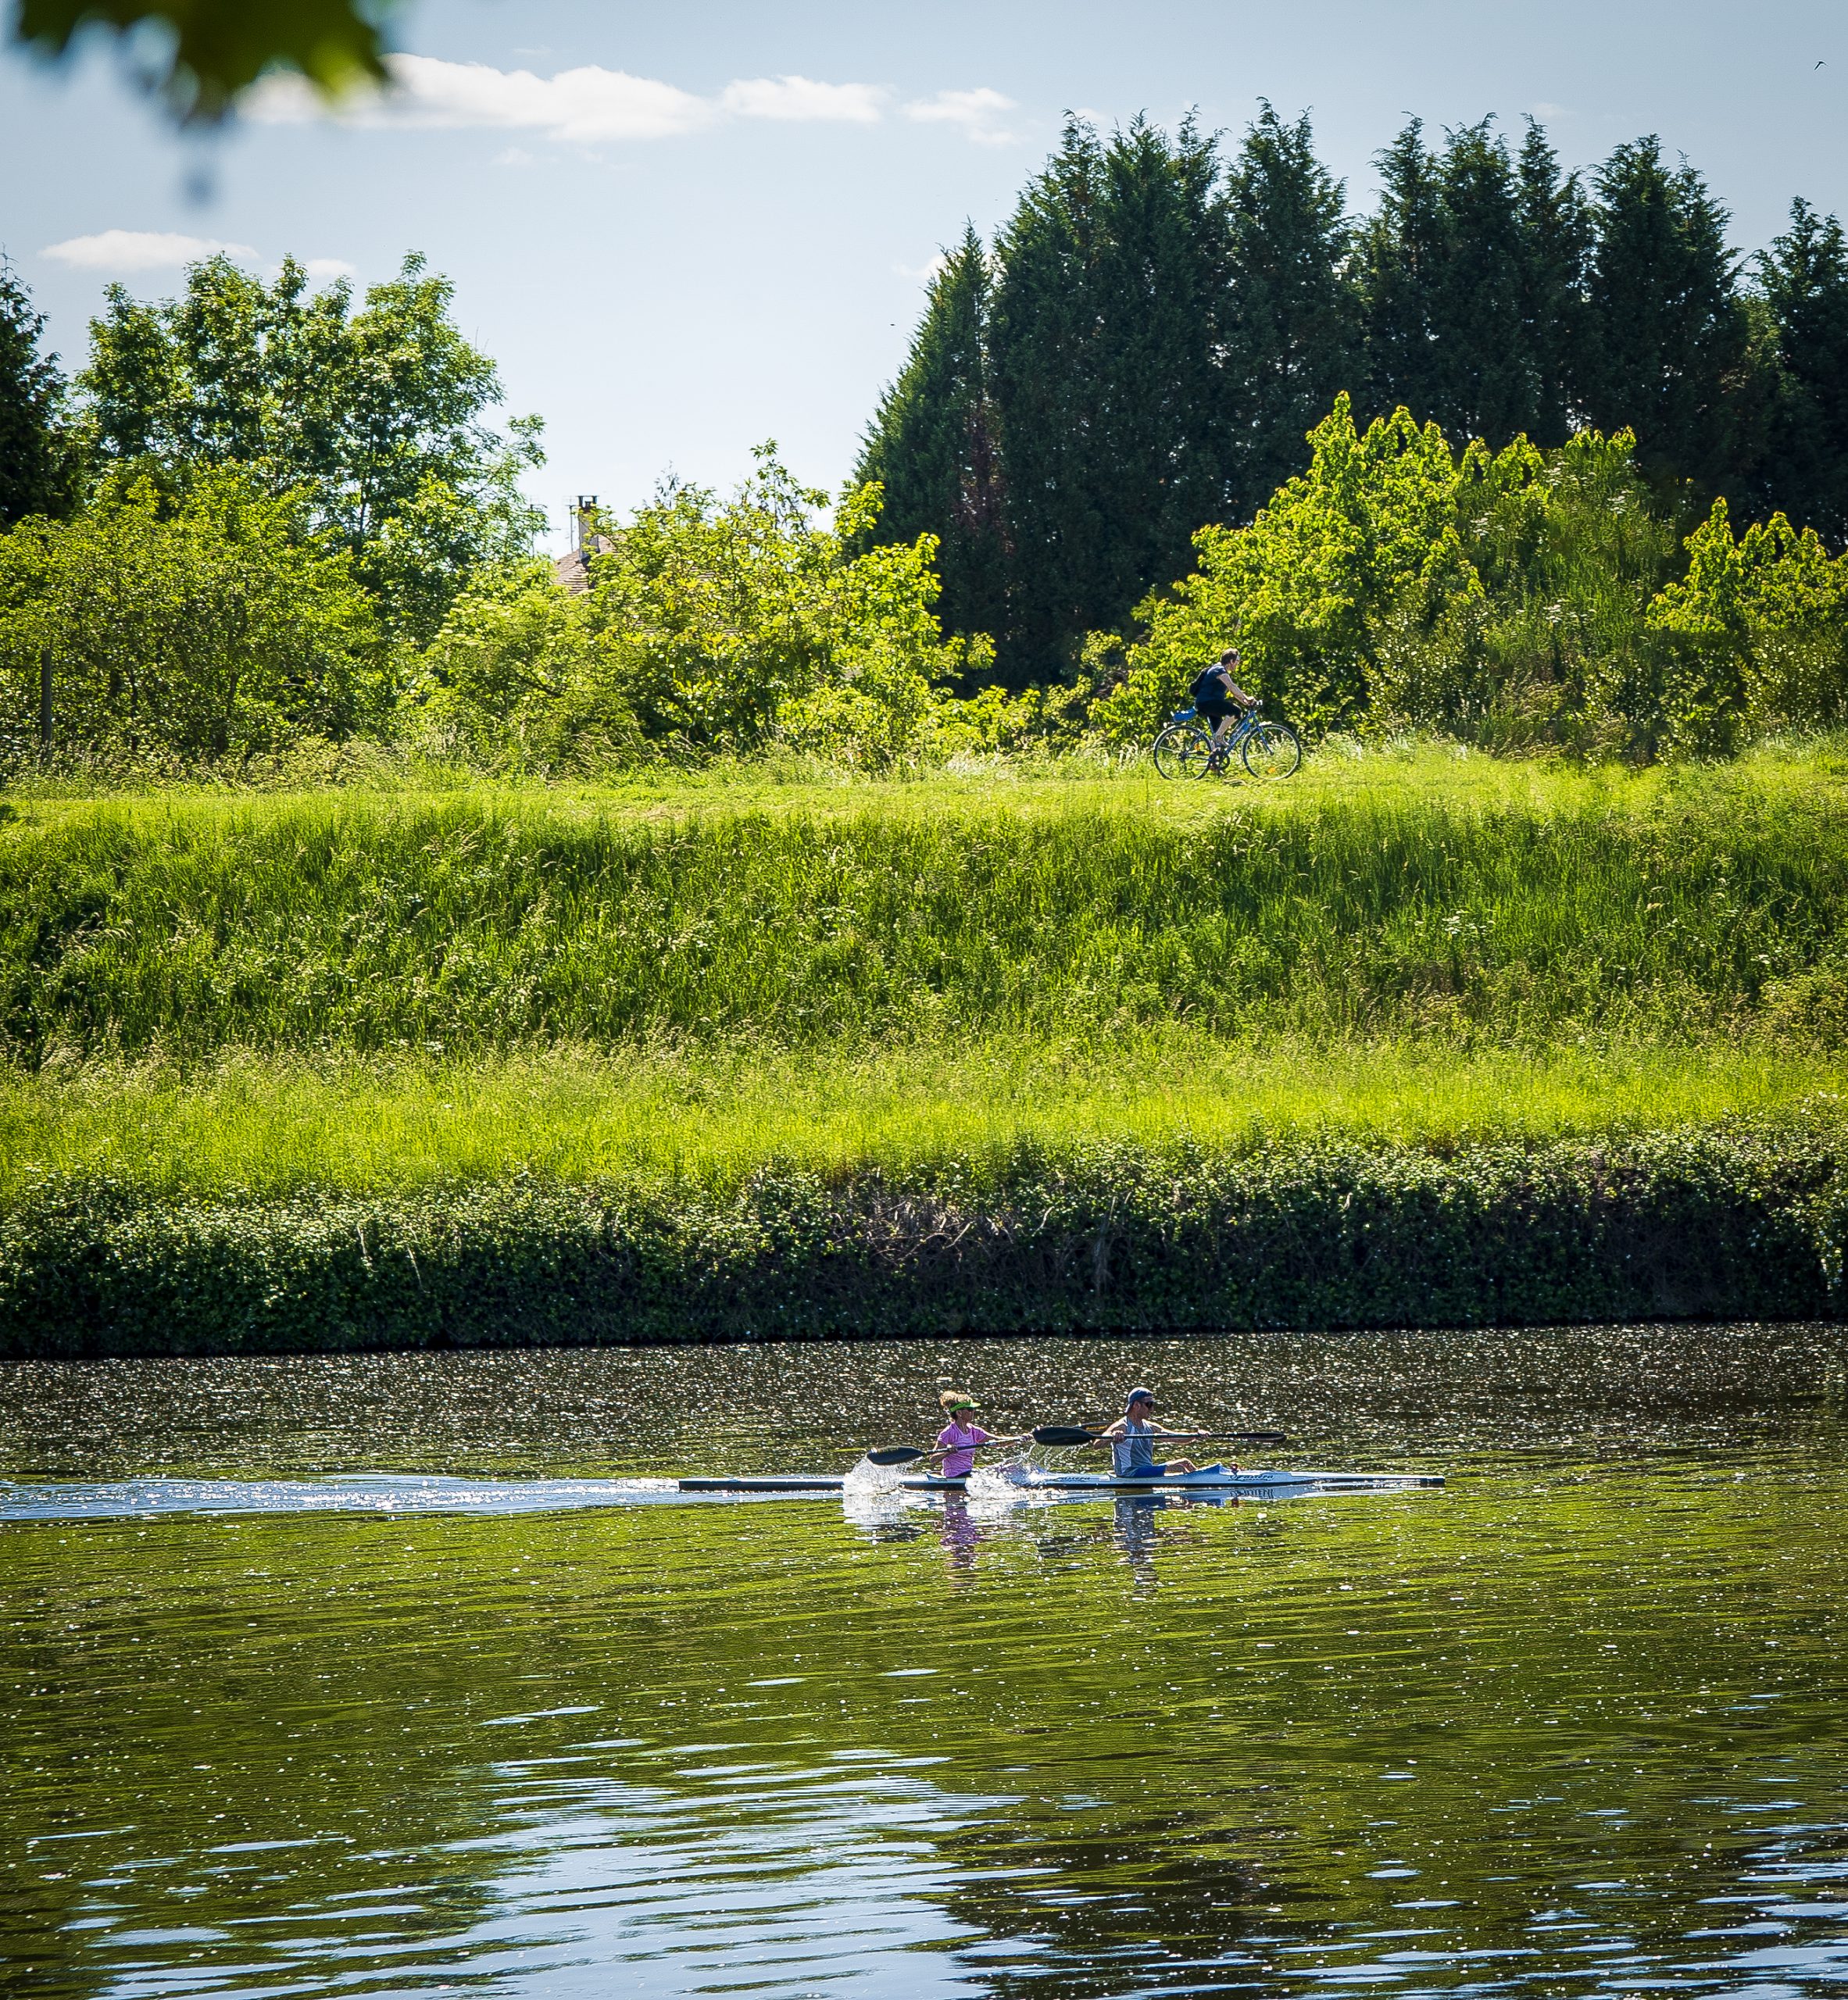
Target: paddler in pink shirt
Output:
[{"x": 958, "y": 1439}]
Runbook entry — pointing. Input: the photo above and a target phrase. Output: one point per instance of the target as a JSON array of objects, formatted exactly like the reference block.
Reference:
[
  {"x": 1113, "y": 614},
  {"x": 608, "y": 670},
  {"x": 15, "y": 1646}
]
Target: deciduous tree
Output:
[
  {"x": 379, "y": 413},
  {"x": 221, "y": 626},
  {"x": 216, "y": 49}
]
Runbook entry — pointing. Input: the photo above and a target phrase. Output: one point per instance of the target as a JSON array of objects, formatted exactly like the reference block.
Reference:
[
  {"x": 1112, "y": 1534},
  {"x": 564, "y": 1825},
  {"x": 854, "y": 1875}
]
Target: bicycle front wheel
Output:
[
  {"x": 1182, "y": 750},
  {"x": 1272, "y": 750}
]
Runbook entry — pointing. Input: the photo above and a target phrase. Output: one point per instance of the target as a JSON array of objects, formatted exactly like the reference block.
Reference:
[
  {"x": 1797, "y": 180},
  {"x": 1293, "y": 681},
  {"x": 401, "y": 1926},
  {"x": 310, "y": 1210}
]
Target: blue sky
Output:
[{"x": 682, "y": 230}]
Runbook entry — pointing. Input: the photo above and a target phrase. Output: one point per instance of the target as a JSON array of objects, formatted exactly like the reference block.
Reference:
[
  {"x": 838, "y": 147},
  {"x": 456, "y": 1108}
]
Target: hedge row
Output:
[{"x": 1740, "y": 1223}]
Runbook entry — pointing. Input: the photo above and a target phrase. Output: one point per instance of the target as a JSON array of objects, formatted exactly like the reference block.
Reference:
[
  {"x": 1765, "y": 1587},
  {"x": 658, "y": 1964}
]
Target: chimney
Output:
[{"x": 584, "y": 523}]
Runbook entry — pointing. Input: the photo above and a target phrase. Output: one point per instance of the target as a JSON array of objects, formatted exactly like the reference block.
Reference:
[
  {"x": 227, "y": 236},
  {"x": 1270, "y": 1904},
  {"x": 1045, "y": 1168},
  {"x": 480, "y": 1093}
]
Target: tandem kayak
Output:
[{"x": 1028, "y": 1480}]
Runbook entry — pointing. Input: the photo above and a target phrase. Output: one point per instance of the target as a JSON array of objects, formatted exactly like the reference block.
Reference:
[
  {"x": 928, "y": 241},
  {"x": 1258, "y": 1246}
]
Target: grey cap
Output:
[{"x": 1139, "y": 1396}]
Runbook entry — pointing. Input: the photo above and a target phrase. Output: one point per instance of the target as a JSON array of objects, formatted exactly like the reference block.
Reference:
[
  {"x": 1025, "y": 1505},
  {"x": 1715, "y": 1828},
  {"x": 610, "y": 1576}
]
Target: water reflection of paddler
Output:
[
  {"x": 959, "y": 1532},
  {"x": 1136, "y": 1533},
  {"x": 1132, "y": 1439}
]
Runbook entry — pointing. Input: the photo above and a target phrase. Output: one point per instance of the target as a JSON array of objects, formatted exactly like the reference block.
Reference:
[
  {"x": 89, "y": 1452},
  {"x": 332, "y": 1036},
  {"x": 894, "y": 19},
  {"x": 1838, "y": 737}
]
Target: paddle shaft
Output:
[
  {"x": 1069, "y": 1436},
  {"x": 907, "y": 1455},
  {"x": 1078, "y": 1434}
]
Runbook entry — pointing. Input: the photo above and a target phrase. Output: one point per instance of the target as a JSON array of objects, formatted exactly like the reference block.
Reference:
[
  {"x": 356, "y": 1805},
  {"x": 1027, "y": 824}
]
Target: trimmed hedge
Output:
[{"x": 1740, "y": 1223}]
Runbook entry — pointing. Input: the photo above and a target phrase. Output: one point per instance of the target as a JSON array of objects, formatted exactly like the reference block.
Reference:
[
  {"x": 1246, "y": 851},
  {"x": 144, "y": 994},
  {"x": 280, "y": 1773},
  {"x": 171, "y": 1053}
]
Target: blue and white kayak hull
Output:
[{"x": 1027, "y": 1481}]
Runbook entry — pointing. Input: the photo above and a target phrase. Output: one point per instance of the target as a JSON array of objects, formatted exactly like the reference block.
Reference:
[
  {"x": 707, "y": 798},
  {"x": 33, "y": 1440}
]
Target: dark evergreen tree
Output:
[
  {"x": 1803, "y": 278},
  {"x": 1105, "y": 338},
  {"x": 1292, "y": 340},
  {"x": 932, "y": 447},
  {"x": 1402, "y": 274},
  {"x": 1490, "y": 384},
  {"x": 35, "y": 453},
  {"x": 1667, "y": 337},
  {"x": 1471, "y": 270},
  {"x": 1556, "y": 236}
]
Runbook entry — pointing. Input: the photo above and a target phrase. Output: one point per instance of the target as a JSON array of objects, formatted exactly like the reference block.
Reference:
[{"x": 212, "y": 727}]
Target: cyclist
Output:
[{"x": 1218, "y": 696}]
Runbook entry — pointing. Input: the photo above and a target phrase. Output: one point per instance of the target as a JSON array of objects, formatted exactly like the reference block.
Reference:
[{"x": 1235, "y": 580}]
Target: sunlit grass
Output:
[
  {"x": 1411, "y": 769},
  {"x": 1449, "y": 898},
  {"x": 269, "y": 1125},
  {"x": 698, "y": 974}
]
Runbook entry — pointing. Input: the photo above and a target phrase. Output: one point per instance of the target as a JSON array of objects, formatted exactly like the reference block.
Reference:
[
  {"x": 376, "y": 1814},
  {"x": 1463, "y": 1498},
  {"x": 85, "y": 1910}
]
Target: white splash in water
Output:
[
  {"x": 867, "y": 1481},
  {"x": 999, "y": 1484}
]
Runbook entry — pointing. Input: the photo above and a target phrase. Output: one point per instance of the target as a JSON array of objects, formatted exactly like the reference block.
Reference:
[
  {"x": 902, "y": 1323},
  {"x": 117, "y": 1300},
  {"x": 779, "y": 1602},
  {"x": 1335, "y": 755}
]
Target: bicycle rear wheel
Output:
[
  {"x": 1272, "y": 750},
  {"x": 1182, "y": 750}
]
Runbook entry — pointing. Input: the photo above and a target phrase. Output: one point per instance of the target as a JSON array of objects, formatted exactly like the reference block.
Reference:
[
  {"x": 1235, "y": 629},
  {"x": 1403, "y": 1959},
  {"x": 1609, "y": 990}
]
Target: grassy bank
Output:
[
  {"x": 1423, "y": 1038},
  {"x": 1532, "y": 908}
]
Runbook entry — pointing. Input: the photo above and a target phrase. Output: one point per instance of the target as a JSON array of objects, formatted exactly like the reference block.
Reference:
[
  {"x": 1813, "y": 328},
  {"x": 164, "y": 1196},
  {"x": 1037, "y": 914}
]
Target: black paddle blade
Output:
[
  {"x": 1065, "y": 1433},
  {"x": 895, "y": 1454}
]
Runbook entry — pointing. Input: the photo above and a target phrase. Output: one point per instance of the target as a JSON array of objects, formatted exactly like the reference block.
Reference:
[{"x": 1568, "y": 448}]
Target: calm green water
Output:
[{"x": 1572, "y": 1726}]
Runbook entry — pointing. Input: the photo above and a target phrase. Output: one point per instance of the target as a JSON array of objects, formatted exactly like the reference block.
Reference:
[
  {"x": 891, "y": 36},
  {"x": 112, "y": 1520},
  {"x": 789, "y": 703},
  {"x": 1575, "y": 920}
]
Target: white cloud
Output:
[
  {"x": 584, "y": 104},
  {"x": 797, "y": 97},
  {"x": 977, "y": 113},
  {"x": 141, "y": 250},
  {"x": 581, "y": 106},
  {"x": 513, "y": 156},
  {"x": 924, "y": 272},
  {"x": 280, "y": 98},
  {"x": 323, "y": 270},
  {"x": 590, "y": 106}
]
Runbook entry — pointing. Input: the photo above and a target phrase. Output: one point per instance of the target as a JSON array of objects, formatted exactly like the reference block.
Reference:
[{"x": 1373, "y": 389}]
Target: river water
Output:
[{"x": 396, "y": 1675}]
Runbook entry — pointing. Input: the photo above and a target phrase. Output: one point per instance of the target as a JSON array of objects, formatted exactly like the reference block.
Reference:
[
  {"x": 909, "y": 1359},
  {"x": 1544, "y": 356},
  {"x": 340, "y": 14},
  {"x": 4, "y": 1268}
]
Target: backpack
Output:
[{"x": 1209, "y": 684}]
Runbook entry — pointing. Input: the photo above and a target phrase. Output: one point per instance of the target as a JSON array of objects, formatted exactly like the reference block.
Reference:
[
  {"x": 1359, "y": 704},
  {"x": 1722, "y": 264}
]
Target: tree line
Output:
[
  {"x": 374, "y": 414},
  {"x": 1147, "y": 342},
  {"x": 265, "y": 518},
  {"x": 267, "y": 526}
]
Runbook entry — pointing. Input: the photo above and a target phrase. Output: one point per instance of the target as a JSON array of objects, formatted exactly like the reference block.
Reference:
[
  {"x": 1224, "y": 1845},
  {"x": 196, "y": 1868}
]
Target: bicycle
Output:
[{"x": 1268, "y": 749}]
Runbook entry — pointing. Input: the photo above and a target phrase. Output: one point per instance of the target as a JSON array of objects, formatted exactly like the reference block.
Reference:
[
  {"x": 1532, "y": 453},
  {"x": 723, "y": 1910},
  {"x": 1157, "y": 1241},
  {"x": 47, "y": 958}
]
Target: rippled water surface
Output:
[{"x": 457, "y": 1697}]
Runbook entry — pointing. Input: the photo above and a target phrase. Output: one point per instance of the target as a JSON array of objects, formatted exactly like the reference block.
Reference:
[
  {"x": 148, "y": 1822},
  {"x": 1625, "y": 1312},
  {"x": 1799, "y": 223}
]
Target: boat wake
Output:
[{"x": 345, "y": 1493}]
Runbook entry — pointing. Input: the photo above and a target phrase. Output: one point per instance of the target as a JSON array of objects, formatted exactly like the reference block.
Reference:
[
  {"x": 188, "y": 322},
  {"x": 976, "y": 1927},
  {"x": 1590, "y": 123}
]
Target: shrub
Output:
[
  {"x": 1742, "y": 1223},
  {"x": 214, "y": 626}
]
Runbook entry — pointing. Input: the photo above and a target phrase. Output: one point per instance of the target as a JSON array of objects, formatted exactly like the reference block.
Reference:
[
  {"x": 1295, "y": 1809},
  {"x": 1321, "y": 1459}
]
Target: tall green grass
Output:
[
  {"x": 1461, "y": 903},
  {"x": 267, "y": 1126}
]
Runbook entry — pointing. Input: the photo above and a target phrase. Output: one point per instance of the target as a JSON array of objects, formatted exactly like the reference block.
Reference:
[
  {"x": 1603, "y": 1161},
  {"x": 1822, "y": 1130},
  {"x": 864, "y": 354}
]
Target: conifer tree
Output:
[
  {"x": 1401, "y": 267},
  {"x": 932, "y": 447},
  {"x": 35, "y": 456},
  {"x": 1107, "y": 318},
  {"x": 1488, "y": 385},
  {"x": 1471, "y": 270},
  {"x": 1555, "y": 243},
  {"x": 1666, "y": 333},
  {"x": 1293, "y": 330},
  {"x": 1803, "y": 277}
]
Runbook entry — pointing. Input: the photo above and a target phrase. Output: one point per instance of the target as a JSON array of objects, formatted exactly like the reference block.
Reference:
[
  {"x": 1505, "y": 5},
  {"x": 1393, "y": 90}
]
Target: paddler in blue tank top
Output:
[{"x": 1131, "y": 1439}]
